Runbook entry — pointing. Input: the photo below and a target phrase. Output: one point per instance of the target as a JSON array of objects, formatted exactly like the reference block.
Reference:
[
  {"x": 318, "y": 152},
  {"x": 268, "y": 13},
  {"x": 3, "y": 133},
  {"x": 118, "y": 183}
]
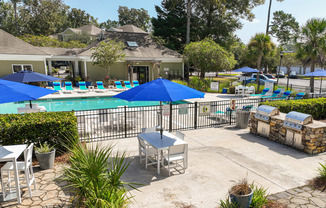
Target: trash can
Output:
[{"x": 242, "y": 119}]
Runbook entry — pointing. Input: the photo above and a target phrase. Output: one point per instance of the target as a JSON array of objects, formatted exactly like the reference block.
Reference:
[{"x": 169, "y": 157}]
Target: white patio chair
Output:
[
  {"x": 25, "y": 166},
  {"x": 251, "y": 90},
  {"x": 180, "y": 135},
  {"x": 149, "y": 153},
  {"x": 176, "y": 153},
  {"x": 149, "y": 129}
]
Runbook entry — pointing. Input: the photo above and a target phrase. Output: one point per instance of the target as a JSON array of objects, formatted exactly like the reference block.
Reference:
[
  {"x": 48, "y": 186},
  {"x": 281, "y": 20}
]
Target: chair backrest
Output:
[
  {"x": 177, "y": 149},
  {"x": 264, "y": 91},
  {"x": 142, "y": 143},
  {"x": 135, "y": 83},
  {"x": 82, "y": 85},
  {"x": 276, "y": 92},
  {"x": 68, "y": 84},
  {"x": 28, "y": 152},
  {"x": 149, "y": 129},
  {"x": 287, "y": 93},
  {"x": 127, "y": 82},
  {"x": 99, "y": 83},
  {"x": 56, "y": 86},
  {"x": 299, "y": 95},
  {"x": 180, "y": 135}
]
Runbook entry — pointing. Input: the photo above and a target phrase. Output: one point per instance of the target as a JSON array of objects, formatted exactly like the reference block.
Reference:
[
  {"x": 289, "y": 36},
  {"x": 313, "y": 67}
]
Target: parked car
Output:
[
  {"x": 263, "y": 77},
  {"x": 253, "y": 80},
  {"x": 269, "y": 76},
  {"x": 281, "y": 75},
  {"x": 293, "y": 75}
]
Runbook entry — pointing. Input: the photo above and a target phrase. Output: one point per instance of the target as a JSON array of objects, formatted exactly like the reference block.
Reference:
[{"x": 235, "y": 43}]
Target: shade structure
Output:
[
  {"x": 246, "y": 69},
  {"x": 320, "y": 73},
  {"x": 160, "y": 90},
  {"x": 29, "y": 76},
  {"x": 15, "y": 91}
]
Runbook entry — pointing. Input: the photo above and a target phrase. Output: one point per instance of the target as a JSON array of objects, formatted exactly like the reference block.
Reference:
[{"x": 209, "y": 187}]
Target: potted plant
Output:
[
  {"x": 45, "y": 156},
  {"x": 241, "y": 194}
]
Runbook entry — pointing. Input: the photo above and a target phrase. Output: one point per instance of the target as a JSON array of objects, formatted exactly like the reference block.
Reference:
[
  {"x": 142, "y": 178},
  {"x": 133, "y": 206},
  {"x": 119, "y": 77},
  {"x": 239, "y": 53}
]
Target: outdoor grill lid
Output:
[
  {"x": 269, "y": 110},
  {"x": 297, "y": 117}
]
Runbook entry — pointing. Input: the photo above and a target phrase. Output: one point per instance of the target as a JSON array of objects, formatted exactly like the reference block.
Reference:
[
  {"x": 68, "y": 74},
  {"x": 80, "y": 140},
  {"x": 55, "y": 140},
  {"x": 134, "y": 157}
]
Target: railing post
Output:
[
  {"x": 125, "y": 107},
  {"x": 170, "y": 121},
  {"x": 195, "y": 120}
]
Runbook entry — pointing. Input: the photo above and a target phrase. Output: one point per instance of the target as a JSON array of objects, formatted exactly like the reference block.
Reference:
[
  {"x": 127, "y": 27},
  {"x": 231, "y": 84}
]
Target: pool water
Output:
[{"x": 77, "y": 104}]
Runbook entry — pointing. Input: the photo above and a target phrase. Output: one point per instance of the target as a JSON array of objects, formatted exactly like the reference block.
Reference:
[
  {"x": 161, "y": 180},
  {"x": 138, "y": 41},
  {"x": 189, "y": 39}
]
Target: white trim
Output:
[
  {"x": 18, "y": 57},
  {"x": 45, "y": 68},
  {"x": 21, "y": 65},
  {"x": 172, "y": 60},
  {"x": 85, "y": 68}
]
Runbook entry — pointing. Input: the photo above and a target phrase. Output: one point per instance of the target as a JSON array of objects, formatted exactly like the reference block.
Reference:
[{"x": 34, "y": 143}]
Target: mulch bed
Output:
[
  {"x": 274, "y": 204},
  {"x": 318, "y": 183}
]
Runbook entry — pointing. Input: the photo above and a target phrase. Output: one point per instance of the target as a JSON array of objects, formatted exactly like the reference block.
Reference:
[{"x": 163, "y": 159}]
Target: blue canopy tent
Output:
[
  {"x": 29, "y": 76},
  {"x": 160, "y": 90},
  {"x": 320, "y": 73},
  {"x": 246, "y": 70},
  {"x": 15, "y": 91}
]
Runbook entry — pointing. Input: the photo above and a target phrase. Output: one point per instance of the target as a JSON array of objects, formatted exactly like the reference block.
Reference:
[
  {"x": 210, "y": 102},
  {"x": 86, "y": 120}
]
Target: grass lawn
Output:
[{"x": 231, "y": 75}]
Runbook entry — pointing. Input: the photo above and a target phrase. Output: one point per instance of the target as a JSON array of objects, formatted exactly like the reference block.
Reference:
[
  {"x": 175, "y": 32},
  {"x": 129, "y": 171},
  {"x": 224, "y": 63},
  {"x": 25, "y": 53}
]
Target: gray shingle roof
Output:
[
  {"x": 89, "y": 29},
  {"x": 129, "y": 29},
  {"x": 60, "y": 51},
  {"x": 9, "y": 44}
]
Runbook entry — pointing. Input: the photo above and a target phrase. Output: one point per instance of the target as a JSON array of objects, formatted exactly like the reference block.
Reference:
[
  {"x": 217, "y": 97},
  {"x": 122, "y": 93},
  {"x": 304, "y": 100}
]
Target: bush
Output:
[
  {"x": 314, "y": 107},
  {"x": 50, "y": 127},
  {"x": 44, "y": 41},
  {"x": 322, "y": 171},
  {"x": 259, "y": 197}
]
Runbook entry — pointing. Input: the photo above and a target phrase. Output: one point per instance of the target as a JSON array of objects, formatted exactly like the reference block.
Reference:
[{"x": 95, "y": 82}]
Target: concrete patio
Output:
[{"x": 217, "y": 158}]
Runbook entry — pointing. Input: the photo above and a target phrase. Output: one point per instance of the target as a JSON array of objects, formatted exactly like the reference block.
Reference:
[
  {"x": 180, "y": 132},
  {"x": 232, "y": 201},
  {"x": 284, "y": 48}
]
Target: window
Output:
[
  {"x": 132, "y": 44},
  {"x": 21, "y": 67}
]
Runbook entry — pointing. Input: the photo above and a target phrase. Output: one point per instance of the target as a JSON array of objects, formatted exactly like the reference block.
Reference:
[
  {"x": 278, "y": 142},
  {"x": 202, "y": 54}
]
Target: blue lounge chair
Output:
[
  {"x": 56, "y": 86},
  {"x": 286, "y": 94},
  {"x": 68, "y": 86},
  {"x": 127, "y": 84},
  {"x": 118, "y": 85},
  {"x": 100, "y": 87},
  {"x": 135, "y": 83},
  {"x": 263, "y": 93},
  {"x": 82, "y": 87},
  {"x": 275, "y": 94},
  {"x": 299, "y": 96}
]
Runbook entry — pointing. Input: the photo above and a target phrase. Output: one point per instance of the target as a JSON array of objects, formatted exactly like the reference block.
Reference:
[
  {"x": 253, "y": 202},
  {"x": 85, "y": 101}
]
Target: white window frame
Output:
[{"x": 21, "y": 67}]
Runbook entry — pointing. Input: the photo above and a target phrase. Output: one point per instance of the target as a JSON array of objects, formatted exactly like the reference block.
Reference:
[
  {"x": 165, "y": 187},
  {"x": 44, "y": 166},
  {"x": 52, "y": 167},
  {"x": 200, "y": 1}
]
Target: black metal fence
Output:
[{"x": 105, "y": 124}]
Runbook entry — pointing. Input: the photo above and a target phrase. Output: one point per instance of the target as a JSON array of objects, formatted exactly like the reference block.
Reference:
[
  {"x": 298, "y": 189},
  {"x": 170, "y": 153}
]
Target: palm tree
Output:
[
  {"x": 261, "y": 45},
  {"x": 311, "y": 44},
  {"x": 269, "y": 15}
]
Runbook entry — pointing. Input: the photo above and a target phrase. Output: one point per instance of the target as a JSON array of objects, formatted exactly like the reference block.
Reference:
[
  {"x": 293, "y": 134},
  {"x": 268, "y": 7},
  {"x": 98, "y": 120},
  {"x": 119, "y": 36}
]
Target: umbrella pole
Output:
[
  {"x": 161, "y": 124},
  {"x": 321, "y": 81},
  {"x": 30, "y": 104}
]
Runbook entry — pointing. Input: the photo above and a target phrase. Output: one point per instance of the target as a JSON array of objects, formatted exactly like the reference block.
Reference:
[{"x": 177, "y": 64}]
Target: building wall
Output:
[
  {"x": 6, "y": 66},
  {"x": 174, "y": 69}
]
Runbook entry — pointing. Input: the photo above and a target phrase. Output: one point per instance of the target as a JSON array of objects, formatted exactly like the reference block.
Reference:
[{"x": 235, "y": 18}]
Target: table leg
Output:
[
  {"x": 158, "y": 161},
  {"x": 17, "y": 182},
  {"x": 186, "y": 154}
]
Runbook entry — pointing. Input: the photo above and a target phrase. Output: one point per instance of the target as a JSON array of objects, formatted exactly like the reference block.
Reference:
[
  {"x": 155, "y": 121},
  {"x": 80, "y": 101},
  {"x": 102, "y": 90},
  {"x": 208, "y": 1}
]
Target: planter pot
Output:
[
  {"x": 243, "y": 201},
  {"x": 46, "y": 160}
]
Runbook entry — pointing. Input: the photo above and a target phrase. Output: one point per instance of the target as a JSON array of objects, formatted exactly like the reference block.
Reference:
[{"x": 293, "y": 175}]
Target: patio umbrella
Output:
[
  {"x": 320, "y": 73},
  {"x": 29, "y": 76},
  {"x": 246, "y": 70},
  {"x": 160, "y": 90},
  {"x": 15, "y": 91}
]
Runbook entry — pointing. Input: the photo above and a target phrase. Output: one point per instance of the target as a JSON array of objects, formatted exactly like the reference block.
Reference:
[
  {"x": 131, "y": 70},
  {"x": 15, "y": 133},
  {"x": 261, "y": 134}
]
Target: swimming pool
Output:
[{"x": 77, "y": 104}]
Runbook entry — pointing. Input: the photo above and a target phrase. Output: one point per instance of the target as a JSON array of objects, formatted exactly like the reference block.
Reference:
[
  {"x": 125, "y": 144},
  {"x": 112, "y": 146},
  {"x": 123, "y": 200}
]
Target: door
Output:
[{"x": 142, "y": 73}]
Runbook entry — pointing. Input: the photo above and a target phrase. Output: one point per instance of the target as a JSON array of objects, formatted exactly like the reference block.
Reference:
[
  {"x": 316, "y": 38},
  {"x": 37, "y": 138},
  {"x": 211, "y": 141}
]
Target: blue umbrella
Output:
[
  {"x": 320, "y": 73},
  {"x": 160, "y": 90},
  {"x": 15, "y": 91},
  {"x": 246, "y": 70},
  {"x": 29, "y": 76}
]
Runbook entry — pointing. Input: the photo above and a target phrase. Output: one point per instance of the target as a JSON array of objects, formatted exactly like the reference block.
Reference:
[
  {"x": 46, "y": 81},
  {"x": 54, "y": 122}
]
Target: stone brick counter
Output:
[{"x": 311, "y": 139}]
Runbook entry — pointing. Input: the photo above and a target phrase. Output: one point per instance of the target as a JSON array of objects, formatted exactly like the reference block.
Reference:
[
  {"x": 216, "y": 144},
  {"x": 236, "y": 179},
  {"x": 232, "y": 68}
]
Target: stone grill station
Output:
[{"x": 297, "y": 130}]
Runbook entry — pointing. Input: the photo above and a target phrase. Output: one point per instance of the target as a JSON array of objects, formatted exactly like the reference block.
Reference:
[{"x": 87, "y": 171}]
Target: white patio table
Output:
[
  {"x": 10, "y": 153},
  {"x": 168, "y": 139}
]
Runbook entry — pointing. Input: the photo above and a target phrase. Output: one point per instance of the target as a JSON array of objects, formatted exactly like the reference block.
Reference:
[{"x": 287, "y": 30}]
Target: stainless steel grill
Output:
[
  {"x": 264, "y": 112},
  {"x": 295, "y": 120}
]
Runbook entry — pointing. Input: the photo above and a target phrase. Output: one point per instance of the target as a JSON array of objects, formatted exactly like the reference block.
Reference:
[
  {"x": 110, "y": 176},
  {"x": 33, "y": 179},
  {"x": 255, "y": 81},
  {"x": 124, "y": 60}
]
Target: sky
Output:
[{"x": 302, "y": 10}]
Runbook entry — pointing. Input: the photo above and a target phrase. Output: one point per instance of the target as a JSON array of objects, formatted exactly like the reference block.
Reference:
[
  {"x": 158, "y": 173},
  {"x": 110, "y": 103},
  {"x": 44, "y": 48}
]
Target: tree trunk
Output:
[
  {"x": 304, "y": 69},
  {"x": 258, "y": 74},
  {"x": 202, "y": 74},
  {"x": 188, "y": 21},
  {"x": 16, "y": 23},
  {"x": 268, "y": 16},
  {"x": 312, "y": 83}
]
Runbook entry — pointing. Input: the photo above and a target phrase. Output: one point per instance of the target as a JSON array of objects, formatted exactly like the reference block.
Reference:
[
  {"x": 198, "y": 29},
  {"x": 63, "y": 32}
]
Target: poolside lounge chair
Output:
[
  {"x": 56, "y": 86},
  {"x": 275, "y": 94},
  {"x": 127, "y": 84},
  {"x": 263, "y": 93},
  {"x": 68, "y": 86},
  {"x": 299, "y": 96},
  {"x": 118, "y": 85},
  {"x": 82, "y": 87},
  {"x": 135, "y": 83},
  {"x": 286, "y": 94},
  {"x": 100, "y": 87}
]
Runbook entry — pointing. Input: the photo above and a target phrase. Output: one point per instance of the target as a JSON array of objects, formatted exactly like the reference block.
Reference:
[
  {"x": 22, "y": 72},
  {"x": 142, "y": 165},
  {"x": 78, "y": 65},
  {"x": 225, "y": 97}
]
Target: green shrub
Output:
[
  {"x": 44, "y": 41},
  {"x": 50, "y": 127},
  {"x": 314, "y": 107},
  {"x": 44, "y": 148},
  {"x": 95, "y": 175},
  {"x": 224, "y": 85},
  {"x": 322, "y": 171},
  {"x": 259, "y": 197},
  {"x": 227, "y": 204}
]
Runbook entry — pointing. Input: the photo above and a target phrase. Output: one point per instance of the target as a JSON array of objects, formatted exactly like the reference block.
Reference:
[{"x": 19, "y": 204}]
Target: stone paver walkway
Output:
[
  {"x": 50, "y": 191},
  {"x": 301, "y": 197}
]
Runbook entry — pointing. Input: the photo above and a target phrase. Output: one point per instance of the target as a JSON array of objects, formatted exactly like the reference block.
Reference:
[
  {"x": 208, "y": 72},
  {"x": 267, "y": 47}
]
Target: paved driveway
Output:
[{"x": 217, "y": 157}]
